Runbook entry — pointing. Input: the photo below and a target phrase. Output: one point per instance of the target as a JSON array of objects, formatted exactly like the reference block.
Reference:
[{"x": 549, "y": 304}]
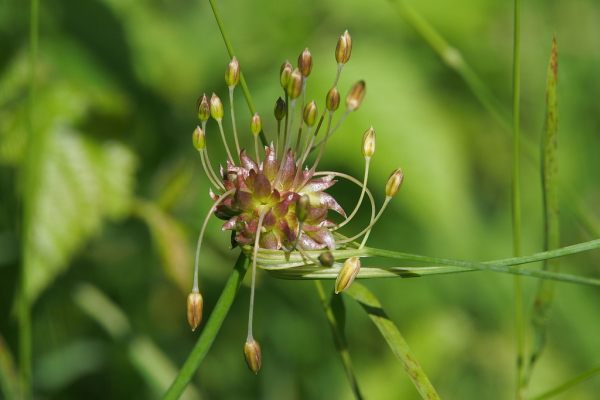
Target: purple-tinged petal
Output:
[
  {"x": 247, "y": 162},
  {"x": 269, "y": 220},
  {"x": 269, "y": 241},
  {"x": 316, "y": 214},
  {"x": 289, "y": 171},
  {"x": 307, "y": 243},
  {"x": 283, "y": 226},
  {"x": 251, "y": 178},
  {"x": 222, "y": 172},
  {"x": 245, "y": 200},
  {"x": 274, "y": 198},
  {"x": 262, "y": 187},
  {"x": 213, "y": 196},
  {"x": 328, "y": 224},
  {"x": 311, "y": 228},
  {"x": 245, "y": 240},
  {"x": 325, "y": 237},
  {"x": 317, "y": 198},
  {"x": 231, "y": 224},
  {"x": 316, "y": 186},
  {"x": 270, "y": 163},
  {"x": 281, "y": 209},
  {"x": 228, "y": 185}
]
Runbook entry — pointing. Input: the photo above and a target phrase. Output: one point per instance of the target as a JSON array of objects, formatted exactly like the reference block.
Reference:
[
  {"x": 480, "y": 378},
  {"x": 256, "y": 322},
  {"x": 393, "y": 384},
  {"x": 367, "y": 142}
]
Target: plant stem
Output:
[
  {"x": 210, "y": 330},
  {"x": 516, "y": 203},
  {"x": 213, "y": 5},
  {"x": 339, "y": 340},
  {"x": 568, "y": 384},
  {"x": 35, "y": 147}
]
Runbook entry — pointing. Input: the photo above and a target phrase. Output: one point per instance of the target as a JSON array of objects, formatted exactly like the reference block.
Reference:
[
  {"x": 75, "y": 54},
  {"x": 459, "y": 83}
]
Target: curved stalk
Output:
[
  {"x": 225, "y": 141},
  {"x": 237, "y": 143},
  {"x": 360, "y": 199}
]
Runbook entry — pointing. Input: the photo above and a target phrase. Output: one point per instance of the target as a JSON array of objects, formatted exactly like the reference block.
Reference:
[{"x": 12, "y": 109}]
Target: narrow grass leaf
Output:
[
  {"x": 392, "y": 335},
  {"x": 545, "y": 294},
  {"x": 335, "y": 311},
  {"x": 568, "y": 384}
]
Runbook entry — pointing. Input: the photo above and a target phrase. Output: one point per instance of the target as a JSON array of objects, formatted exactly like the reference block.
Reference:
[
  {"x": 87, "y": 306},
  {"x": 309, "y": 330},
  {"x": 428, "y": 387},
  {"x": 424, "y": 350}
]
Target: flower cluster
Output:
[{"x": 277, "y": 208}]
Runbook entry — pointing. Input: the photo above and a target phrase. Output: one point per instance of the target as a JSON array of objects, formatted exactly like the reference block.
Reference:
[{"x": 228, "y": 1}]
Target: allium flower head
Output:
[{"x": 276, "y": 206}]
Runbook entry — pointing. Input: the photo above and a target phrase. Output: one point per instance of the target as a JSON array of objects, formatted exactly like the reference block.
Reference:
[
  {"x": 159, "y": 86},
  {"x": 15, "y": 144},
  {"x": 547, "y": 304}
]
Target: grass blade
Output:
[
  {"x": 336, "y": 316},
  {"x": 545, "y": 294},
  {"x": 393, "y": 337},
  {"x": 568, "y": 384},
  {"x": 210, "y": 330}
]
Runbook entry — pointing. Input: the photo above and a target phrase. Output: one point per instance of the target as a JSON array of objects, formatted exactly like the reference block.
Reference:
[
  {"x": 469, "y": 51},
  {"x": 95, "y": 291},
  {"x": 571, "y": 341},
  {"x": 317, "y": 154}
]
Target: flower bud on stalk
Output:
[
  {"x": 253, "y": 355},
  {"x": 368, "y": 143},
  {"x": 326, "y": 259},
  {"x": 216, "y": 107},
  {"x": 203, "y": 108},
  {"x": 356, "y": 96},
  {"x": 295, "y": 84},
  {"x": 232, "y": 73},
  {"x": 347, "y": 274},
  {"x": 394, "y": 182},
  {"x": 344, "y": 48},
  {"x": 279, "y": 109},
  {"x": 305, "y": 63},
  {"x": 302, "y": 207},
  {"x": 284, "y": 74},
  {"x": 194, "y": 309},
  {"x": 255, "y": 124},
  {"x": 333, "y": 99},
  {"x": 199, "y": 139},
  {"x": 310, "y": 113}
]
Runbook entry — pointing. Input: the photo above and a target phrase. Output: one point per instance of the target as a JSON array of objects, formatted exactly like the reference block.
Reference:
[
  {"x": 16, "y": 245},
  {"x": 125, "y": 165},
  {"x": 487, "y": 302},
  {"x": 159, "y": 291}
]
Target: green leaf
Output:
[
  {"x": 9, "y": 380},
  {"x": 170, "y": 241},
  {"x": 78, "y": 183},
  {"x": 545, "y": 294},
  {"x": 392, "y": 335}
]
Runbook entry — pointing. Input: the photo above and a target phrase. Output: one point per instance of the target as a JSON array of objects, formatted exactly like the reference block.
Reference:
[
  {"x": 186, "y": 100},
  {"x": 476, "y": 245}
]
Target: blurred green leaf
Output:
[
  {"x": 9, "y": 380},
  {"x": 545, "y": 294},
  {"x": 171, "y": 242},
  {"x": 392, "y": 335},
  {"x": 80, "y": 183}
]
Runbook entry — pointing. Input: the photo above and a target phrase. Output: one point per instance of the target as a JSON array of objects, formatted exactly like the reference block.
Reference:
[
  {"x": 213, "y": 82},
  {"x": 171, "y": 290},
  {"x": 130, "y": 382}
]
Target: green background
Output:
[{"x": 127, "y": 73}]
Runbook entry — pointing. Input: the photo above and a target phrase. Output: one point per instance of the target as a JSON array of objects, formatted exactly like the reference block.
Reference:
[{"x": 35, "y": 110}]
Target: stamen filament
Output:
[
  {"x": 362, "y": 195},
  {"x": 304, "y": 78},
  {"x": 253, "y": 284},
  {"x": 285, "y": 128},
  {"x": 300, "y": 225},
  {"x": 237, "y": 143},
  {"x": 289, "y": 133},
  {"x": 367, "y": 230},
  {"x": 212, "y": 209},
  {"x": 337, "y": 76},
  {"x": 278, "y": 135},
  {"x": 210, "y": 177},
  {"x": 256, "y": 149},
  {"x": 321, "y": 152},
  {"x": 220, "y": 121},
  {"x": 210, "y": 168},
  {"x": 332, "y": 131}
]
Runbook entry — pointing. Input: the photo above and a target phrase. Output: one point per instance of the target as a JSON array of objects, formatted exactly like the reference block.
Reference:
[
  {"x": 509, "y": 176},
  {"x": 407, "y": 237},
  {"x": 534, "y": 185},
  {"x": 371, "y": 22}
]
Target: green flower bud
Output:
[
  {"x": 310, "y": 113},
  {"x": 343, "y": 48},
  {"x": 279, "y": 109},
  {"x": 194, "y": 309},
  {"x": 302, "y": 207},
  {"x": 333, "y": 99},
  {"x": 326, "y": 259},
  {"x": 356, "y": 96},
  {"x": 253, "y": 355},
  {"x": 368, "y": 143},
  {"x": 255, "y": 124},
  {"x": 284, "y": 74},
  {"x": 199, "y": 139},
  {"x": 295, "y": 84},
  {"x": 203, "y": 108},
  {"x": 347, "y": 274},
  {"x": 216, "y": 107},
  {"x": 394, "y": 182},
  {"x": 305, "y": 62},
  {"x": 232, "y": 73}
]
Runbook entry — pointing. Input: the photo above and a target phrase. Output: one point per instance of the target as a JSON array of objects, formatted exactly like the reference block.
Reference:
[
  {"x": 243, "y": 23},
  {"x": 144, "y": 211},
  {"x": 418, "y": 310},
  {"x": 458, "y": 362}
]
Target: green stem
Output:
[
  {"x": 35, "y": 148},
  {"x": 339, "y": 340},
  {"x": 516, "y": 204},
  {"x": 213, "y": 5},
  {"x": 568, "y": 384},
  {"x": 210, "y": 330}
]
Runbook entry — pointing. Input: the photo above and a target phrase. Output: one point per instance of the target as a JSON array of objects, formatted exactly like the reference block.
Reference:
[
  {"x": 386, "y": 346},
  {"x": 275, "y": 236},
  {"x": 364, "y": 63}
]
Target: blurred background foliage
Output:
[{"x": 120, "y": 194}]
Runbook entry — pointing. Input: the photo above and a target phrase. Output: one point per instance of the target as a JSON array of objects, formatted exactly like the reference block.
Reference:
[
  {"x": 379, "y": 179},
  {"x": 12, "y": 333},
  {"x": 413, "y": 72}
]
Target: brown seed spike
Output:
[
  {"x": 305, "y": 63},
  {"x": 344, "y": 48},
  {"x": 253, "y": 355},
  {"x": 194, "y": 309}
]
